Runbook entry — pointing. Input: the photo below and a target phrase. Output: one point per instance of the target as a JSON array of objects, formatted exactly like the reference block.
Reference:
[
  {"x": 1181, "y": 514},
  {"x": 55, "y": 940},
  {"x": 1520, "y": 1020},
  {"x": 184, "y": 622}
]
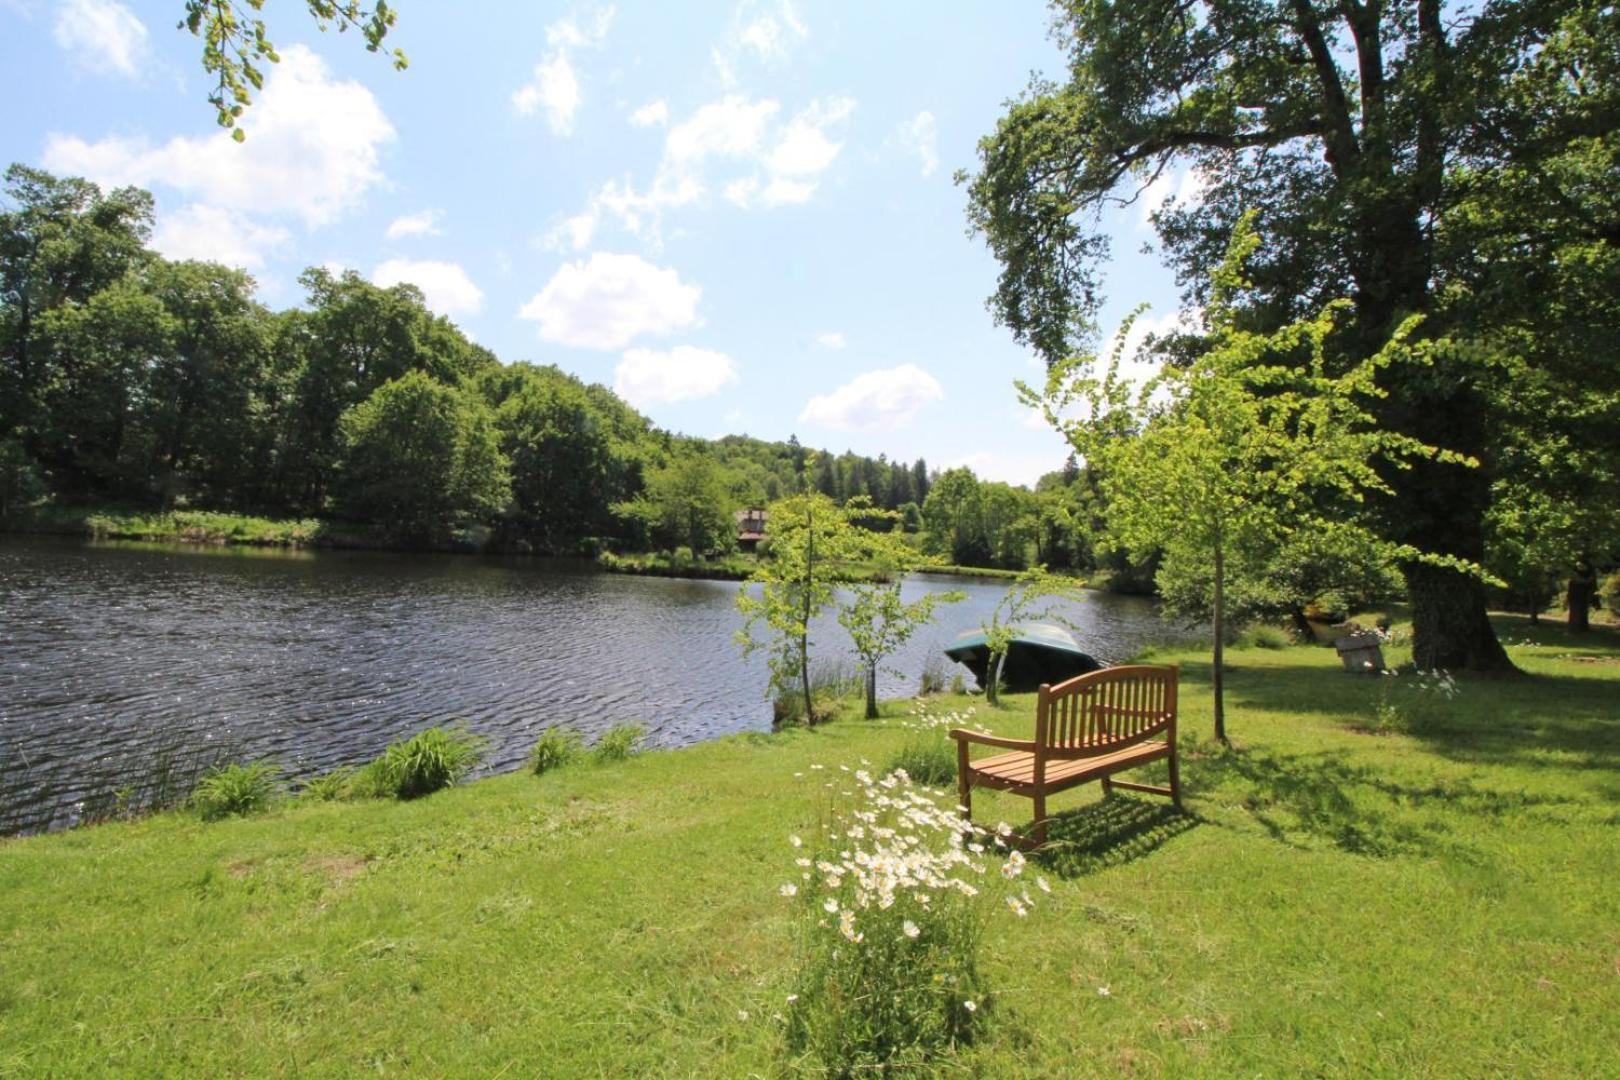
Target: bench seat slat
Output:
[{"x": 1019, "y": 767}]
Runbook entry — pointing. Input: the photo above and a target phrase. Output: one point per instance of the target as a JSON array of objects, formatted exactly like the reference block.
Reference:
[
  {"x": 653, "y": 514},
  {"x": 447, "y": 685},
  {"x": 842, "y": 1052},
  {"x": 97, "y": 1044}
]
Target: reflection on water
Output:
[{"x": 110, "y": 652}]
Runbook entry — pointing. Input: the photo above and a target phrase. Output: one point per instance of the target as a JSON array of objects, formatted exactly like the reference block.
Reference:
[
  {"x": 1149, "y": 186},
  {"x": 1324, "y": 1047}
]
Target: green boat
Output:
[{"x": 1039, "y": 653}]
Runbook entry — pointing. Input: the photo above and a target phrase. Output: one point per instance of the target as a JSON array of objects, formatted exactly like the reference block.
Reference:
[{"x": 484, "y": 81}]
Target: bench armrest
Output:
[{"x": 962, "y": 735}]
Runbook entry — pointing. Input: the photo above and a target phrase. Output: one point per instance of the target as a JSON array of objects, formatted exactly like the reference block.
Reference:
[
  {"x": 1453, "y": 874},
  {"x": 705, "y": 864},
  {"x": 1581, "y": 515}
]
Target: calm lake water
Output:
[{"x": 112, "y": 655}]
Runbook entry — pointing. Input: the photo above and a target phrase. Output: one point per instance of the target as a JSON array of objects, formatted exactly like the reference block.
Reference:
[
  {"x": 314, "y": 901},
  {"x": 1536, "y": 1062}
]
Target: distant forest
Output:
[{"x": 128, "y": 380}]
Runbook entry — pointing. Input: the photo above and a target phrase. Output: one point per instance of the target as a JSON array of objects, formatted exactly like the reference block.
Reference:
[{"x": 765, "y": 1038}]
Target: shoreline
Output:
[{"x": 215, "y": 529}]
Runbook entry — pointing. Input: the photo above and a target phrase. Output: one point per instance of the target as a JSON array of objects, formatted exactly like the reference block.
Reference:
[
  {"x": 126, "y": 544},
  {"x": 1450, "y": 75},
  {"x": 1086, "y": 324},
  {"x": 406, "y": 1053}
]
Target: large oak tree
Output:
[{"x": 1412, "y": 156}]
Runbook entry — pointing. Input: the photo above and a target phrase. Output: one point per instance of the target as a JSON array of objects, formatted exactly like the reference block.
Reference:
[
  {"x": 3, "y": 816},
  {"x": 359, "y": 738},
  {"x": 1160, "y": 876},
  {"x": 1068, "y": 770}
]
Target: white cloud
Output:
[
  {"x": 647, "y": 377},
  {"x": 832, "y": 339},
  {"x": 311, "y": 152},
  {"x": 101, "y": 35},
  {"x": 556, "y": 89},
  {"x": 422, "y": 223},
  {"x": 609, "y": 300},
  {"x": 875, "y": 400},
  {"x": 1181, "y": 190},
  {"x": 556, "y": 86},
  {"x": 211, "y": 234},
  {"x": 736, "y": 145},
  {"x": 919, "y": 136},
  {"x": 448, "y": 289},
  {"x": 759, "y": 31},
  {"x": 652, "y": 114}
]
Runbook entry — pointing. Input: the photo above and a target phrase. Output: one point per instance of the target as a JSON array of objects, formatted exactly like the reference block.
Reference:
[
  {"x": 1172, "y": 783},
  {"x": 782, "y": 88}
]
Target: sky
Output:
[{"x": 740, "y": 216}]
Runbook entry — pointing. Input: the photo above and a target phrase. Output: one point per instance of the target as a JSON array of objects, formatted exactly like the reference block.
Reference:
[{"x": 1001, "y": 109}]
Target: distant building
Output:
[{"x": 750, "y": 528}]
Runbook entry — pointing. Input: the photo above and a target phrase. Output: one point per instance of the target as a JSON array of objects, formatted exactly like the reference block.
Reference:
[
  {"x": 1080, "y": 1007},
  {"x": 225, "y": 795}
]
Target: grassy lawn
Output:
[{"x": 1442, "y": 901}]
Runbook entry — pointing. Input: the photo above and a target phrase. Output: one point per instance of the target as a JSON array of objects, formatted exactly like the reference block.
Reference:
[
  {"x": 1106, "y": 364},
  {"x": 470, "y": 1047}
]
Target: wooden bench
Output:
[{"x": 1087, "y": 728}]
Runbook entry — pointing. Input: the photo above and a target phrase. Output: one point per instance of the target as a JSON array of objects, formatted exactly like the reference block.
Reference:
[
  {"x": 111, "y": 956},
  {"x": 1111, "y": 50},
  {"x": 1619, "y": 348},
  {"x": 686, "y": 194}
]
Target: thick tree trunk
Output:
[
  {"x": 1450, "y": 631},
  {"x": 1578, "y": 597}
]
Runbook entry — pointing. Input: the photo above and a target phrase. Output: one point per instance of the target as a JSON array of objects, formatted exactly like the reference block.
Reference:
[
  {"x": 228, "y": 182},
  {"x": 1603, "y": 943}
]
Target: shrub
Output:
[
  {"x": 928, "y": 758},
  {"x": 236, "y": 790},
  {"x": 424, "y": 763},
  {"x": 617, "y": 743},
  {"x": 336, "y": 784},
  {"x": 555, "y": 747},
  {"x": 888, "y": 932},
  {"x": 1267, "y": 637},
  {"x": 830, "y": 685},
  {"x": 1609, "y": 595},
  {"x": 933, "y": 677}
]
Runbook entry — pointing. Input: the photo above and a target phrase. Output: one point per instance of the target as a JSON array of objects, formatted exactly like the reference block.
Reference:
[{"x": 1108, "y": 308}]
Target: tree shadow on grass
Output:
[
  {"x": 1113, "y": 832},
  {"x": 1303, "y": 800},
  {"x": 1567, "y": 722}
]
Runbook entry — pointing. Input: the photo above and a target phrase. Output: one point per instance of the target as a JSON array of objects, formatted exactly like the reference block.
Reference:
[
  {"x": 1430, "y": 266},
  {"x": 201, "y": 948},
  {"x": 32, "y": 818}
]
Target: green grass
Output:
[
  {"x": 178, "y": 526},
  {"x": 1335, "y": 903}
]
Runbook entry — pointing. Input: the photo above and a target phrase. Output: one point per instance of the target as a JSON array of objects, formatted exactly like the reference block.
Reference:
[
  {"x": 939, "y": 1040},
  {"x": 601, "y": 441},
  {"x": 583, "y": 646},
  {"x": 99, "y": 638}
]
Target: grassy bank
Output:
[
  {"x": 177, "y": 526},
  {"x": 1433, "y": 900},
  {"x": 664, "y": 564}
]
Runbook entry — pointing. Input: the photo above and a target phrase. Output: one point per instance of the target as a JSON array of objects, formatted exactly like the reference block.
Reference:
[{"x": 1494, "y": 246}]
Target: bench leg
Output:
[
  {"x": 1175, "y": 775},
  {"x": 964, "y": 782},
  {"x": 1107, "y": 786},
  {"x": 1038, "y": 832}
]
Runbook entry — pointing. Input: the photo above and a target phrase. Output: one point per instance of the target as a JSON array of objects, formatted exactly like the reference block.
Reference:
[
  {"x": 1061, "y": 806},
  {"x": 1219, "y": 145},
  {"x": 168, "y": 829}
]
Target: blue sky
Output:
[{"x": 741, "y": 216}]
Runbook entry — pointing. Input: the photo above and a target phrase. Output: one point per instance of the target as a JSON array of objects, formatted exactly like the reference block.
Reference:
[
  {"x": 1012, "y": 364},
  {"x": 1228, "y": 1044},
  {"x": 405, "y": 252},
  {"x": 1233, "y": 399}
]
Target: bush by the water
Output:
[
  {"x": 236, "y": 790},
  {"x": 1265, "y": 636},
  {"x": 928, "y": 755},
  {"x": 888, "y": 930},
  {"x": 618, "y": 743},
  {"x": 555, "y": 747},
  {"x": 337, "y": 784},
  {"x": 424, "y": 763}
]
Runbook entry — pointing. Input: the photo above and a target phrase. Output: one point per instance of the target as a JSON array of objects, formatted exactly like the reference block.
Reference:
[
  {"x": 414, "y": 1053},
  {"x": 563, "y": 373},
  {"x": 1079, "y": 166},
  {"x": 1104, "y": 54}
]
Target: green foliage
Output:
[
  {"x": 419, "y": 459},
  {"x": 340, "y": 783},
  {"x": 576, "y": 451},
  {"x": 878, "y": 620},
  {"x": 810, "y": 536},
  {"x": 20, "y": 484},
  {"x": 1609, "y": 596},
  {"x": 1267, "y": 637},
  {"x": 979, "y": 523},
  {"x": 686, "y": 502},
  {"x": 556, "y": 747},
  {"x": 422, "y": 764},
  {"x": 928, "y": 757},
  {"x": 235, "y": 43},
  {"x": 1259, "y": 441},
  {"x": 236, "y": 790},
  {"x": 1454, "y": 171},
  {"x": 617, "y": 743}
]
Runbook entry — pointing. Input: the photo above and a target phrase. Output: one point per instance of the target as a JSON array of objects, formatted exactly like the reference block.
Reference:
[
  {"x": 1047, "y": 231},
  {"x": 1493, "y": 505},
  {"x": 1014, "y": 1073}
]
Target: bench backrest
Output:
[{"x": 1106, "y": 710}]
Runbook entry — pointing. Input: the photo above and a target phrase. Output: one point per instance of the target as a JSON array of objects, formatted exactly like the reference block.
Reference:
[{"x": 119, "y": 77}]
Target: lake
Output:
[{"x": 116, "y": 655}]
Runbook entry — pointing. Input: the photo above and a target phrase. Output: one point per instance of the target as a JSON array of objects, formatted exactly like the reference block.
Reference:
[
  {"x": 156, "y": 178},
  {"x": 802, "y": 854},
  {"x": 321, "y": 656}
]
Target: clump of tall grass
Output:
[
  {"x": 337, "y": 784},
  {"x": 556, "y": 746},
  {"x": 236, "y": 790},
  {"x": 1263, "y": 636},
  {"x": 831, "y": 684},
  {"x": 888, "y": 924},
  {"x": 933, "y": 677},
  {"x": 617, "y": 743},
  {"x": 928, "y": 755},
  {"x": 426, "y": 762}
]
